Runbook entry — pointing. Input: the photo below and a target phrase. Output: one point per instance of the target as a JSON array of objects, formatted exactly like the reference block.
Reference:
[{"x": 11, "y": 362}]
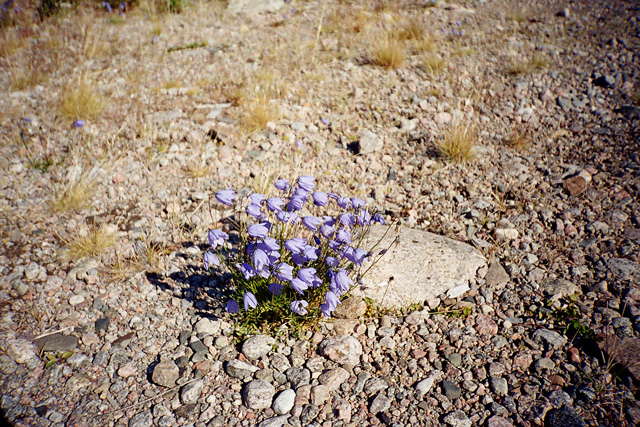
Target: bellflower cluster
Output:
[{"x": 298, "y": 250}]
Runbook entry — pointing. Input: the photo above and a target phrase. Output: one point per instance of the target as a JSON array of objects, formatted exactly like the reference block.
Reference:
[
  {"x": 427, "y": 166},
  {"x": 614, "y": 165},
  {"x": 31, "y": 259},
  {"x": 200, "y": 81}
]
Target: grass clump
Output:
[
  {"x": 257, "y": 113},
  {"x": 387, "y": 51},
  {"x": 73, "y": 197},
  {"x": 92, "y": 242},
  {"x": 80, "y": 101},
  {"x": 538, "y": 62},
  {"x": 432, "y": 64},
  {"x": 457, "y": 145},
  {"x": 520, "y": 139}
]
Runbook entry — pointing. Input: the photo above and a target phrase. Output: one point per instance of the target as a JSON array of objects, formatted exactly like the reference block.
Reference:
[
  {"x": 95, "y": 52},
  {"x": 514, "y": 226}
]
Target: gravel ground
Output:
[{"x": 108, "y": 317}]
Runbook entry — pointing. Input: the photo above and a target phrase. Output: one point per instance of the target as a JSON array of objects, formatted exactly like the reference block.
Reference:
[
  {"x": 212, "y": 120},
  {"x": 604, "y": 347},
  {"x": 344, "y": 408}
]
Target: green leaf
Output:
[
  {"x": 67, "y": 354},
  {"x": 50, "y": 363},
  {"x": 50, "y": 356}
]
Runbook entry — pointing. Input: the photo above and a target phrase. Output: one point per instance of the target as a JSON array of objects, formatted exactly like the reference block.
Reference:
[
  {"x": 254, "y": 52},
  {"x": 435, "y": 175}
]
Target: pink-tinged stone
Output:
[
  {"x": 485, "y": 325},
  {"x": 523, "y": 360},
  {"x": 498, "y": 421}
]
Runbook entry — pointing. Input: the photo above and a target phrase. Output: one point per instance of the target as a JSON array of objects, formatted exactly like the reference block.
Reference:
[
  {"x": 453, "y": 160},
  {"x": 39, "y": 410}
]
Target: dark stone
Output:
[
  {"x": 102, "y": 324},
  {"x": 184, "y": 337},
  {"x": 182, "y": 361},
  {"x": 605, "y": 81},
  {"x": 451, "y": 390},
  {"x": 563, "y": 417},
  {"x": 41, "y": 410},
  {"x": 57, "y": 342},
  {"x": 309, "y": 413},
  {"x": 199, "y": 347},
  {"x": 187, "y": 410},
  {"x": 629, "y": 112}
]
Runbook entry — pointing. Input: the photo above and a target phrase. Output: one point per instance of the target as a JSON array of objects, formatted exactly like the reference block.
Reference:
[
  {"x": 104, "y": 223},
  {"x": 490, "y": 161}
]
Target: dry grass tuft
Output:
[
  {"x": 387, "y": 51},
  {"x": 198, "y": 170},
  {"x": 536, "y": 63},
  {"x": 92, "y": 242},
  {"x": 147, "y": 257},
  {"x": 412, "y": 30},
  {"x": 432, "y": 63},
  {"x": 457, "y": 145},
  {"x": 257, "y": 113},
  {"x": 520, "y": 139},
  {"x": 73, "y": 197},
  {"x": 80, "y": 100}
]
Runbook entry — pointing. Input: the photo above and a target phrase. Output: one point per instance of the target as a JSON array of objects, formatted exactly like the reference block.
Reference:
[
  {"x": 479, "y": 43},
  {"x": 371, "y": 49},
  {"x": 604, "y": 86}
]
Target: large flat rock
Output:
[
  {"x": 420, "y": 267},
  {"x": 254, "y": 6}
]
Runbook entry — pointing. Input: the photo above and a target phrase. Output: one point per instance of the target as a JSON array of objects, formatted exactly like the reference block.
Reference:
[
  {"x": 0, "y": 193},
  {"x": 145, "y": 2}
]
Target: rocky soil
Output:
[{"x": 108, "y": 317}]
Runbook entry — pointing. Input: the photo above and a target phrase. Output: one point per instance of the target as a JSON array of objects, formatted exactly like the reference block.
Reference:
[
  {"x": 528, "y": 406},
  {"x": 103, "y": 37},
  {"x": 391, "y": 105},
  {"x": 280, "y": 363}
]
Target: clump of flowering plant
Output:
[{"x": 296, "y": 256}]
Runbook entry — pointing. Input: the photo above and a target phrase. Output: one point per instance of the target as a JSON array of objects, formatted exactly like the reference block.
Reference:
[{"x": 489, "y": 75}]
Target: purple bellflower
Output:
[
  {"x": 258, "y": 230},
  {"x": 299, "y": 285},
  {"x": 210, "y": 259},
  {"x": 311, "y": 222},
  {"x": 250, "y": 301},
  {"x": 283, "y": 272},
  {"x": 320, "y": 198},
  {"x": 217, "y": 238},
  {"x": 275, "y": 288},
  {"x": 282, "y": 184},
  {"x": 232, "y": 306},
  {"x": 274, "y": 203},
  {"x": 307, "y": 182},
  {"x": 226, "y": 197},
  {"x": 298, "y": 307}
]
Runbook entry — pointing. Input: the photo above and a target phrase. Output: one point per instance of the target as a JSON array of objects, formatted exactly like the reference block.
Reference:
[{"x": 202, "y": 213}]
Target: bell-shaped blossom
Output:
[
  {"x": 327, "y": 230},
  {"x": 254, "y": 210},
  {"x": 347, "y": 219},
  {"x": 232, "y": 306},
  {"x": 275, "y": 288},
  {"x": 217, "y": 238},
  {"x": 274, "y": 203},
  {"x": 343, "y": 236},
  {"x": 249, "y": 300},
  {"x": 210, "y": 259},
  {"x": 320, "y": 198},
  {"x": 307, "y": 182},
  {"x": 295, "y": 245},
  {"x": 307, "y": 274},
  {"x": 247, "y": 270},
  {"x": 287, "y": 217},
  {"x": 282, "y": 184},
  {"x": 299, "y": 285},
  {"x": 332, "y": 261},
  {"x": 283, "y": 272},
  {"x": 257, "y": 198},
  {"x": 311, "y": 222},
  {"x": 258, "y": 230},
  {"x": 357, "y": 203},
  {"x": 364, "y": 217},
  {"x": 298, "y": 307},
  {"x": 310, "y": 253},
  {"x": 331, "y": 302},
  {"x": 334, "y": 245},
  {"x": 260, "y": 259},
  {"x": 226, "y": 197},
  {"x": 329, "y": 220},
  {"x": 356, "y": 256},
  {"x": 269, "y": 244},
  {"x": 295, "y": 203},
  {"x": 340, "y": 282},
  {"x": 343, "y": 202},
  {"x": 379, "y": 219}
]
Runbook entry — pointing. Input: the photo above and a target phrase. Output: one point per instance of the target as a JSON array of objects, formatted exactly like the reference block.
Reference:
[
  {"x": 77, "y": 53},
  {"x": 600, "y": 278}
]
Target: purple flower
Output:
[
  {"x": 332, "y": 261},
  {"x": 307, "y": 274},
  {"x": 379, "y": 219},
  {"x": 299, "y": 143},
  {"x": 226, "y": 197},
  {"x": 295, "y": 245},
  {"x": 283, "y": 272},
  {"x": 269, "y": 244},
  {"x": 298, "y": 307},
  {"x": 325, "y": 122},
  {"x": 274, "y": 203},
  {"x": 327, "y": 231},
  {"x": 320, "y": 198},
  {"x": 310, "y": 253},
  {"x": 78, "y": 123},
  {"x": 260, "y": 259},
  {"x": 247, "y": 270},
  {"x": 356, "y": 256},
  {"x": 307, "y": 182},
  {"x": 458, "y": 23},
  {"x": 210, "y": 259},
  {"x": 257, "y": 198},
  {"x": 250, "y": 301},
  {"x": 334, "y": 245},
  {"x": 343, "y": 202},
  {"x": 299, "y": 285},
  {"x": 217, "y": 238},
  {"x": 343, "y": 236},
  {"x": 364, "y": 217},
  {"x": 347, "y": 219},
  {"x": 287, "y": 217},
  {"x": 282, "y": 184},
  {"x": 311, "y": 222},
  {"x": 329, "y": 220},
  {"x": 340, "y": 282},
  {"x": 254, "y": 211},
  {"x": 258, "y": 230},
  {"x": 232, "y": 306},
  {"x": 444, "y": 31},
  {"x": 275, "y": 288},
  {"x": 357, "y": 203},
  {"x": 295, "y": 203},
  {"x": 331, "y": 302}
]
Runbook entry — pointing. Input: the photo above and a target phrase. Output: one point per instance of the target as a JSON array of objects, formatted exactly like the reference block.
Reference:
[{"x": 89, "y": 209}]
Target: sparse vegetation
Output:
[
  {"x": 520, "y": 139},
  {"x": 257, "y": 113},
  {"x": 432, "y": 63},
  {"x": 387, "y": 51},
  {"x": 73, "y": 197},
  {"x": 457, "y": 144},
  {"x": 91, "y": 242},
  {"x": 80, "y": 100},
  {"x": 536, "y": 63}
]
